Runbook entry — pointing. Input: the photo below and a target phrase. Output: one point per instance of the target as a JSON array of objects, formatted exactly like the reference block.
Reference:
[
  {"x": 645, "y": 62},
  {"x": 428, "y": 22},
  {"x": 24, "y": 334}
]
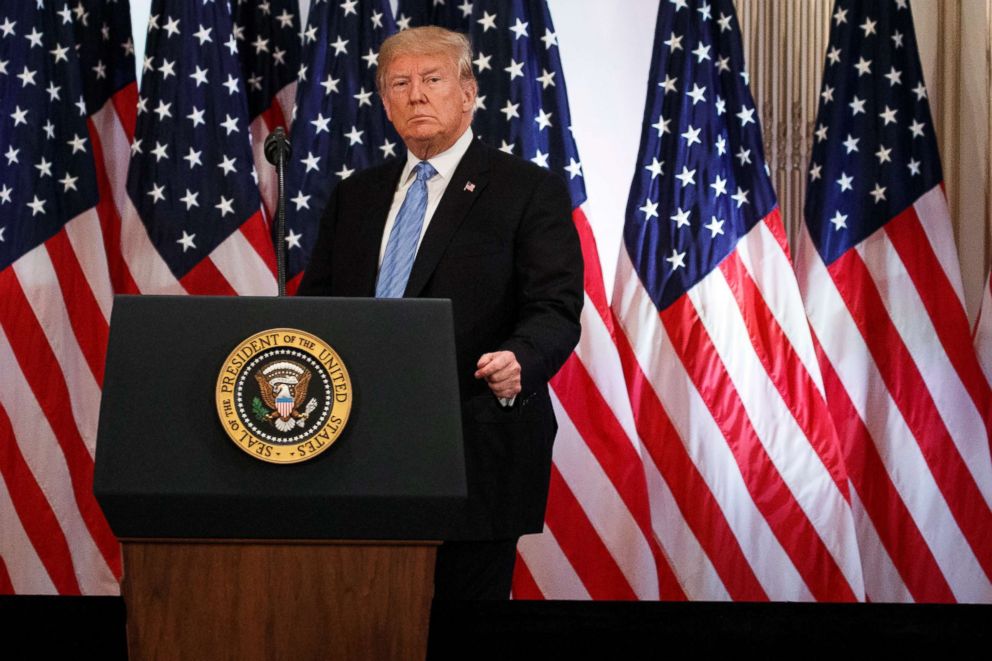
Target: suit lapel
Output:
[{"x": 468, "y": 181}]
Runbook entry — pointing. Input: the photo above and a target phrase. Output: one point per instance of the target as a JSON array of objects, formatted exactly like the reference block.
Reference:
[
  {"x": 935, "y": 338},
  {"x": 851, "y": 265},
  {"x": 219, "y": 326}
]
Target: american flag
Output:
[
  {"x": 880, "y": 279},
  {"x": 268, "y": 36},
  {"x": 340, "y": 124},
  {"x": 56, "y": 218},
  {"x": 750, "y": 498},
  {"x": 195, "y": 215},
  {"x": 597, "y": 541}
]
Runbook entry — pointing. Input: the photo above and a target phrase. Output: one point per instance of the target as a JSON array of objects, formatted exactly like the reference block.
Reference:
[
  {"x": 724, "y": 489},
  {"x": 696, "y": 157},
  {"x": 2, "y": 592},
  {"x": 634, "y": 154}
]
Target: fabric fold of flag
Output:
[
  {"x": 882, "y": 288},
  {"x": 750, "y": 496}
]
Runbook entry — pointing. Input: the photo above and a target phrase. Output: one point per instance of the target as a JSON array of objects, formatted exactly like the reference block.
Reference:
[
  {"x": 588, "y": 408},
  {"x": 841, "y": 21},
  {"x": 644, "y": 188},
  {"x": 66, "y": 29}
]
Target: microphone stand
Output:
[{"x": 277, "y": 150}]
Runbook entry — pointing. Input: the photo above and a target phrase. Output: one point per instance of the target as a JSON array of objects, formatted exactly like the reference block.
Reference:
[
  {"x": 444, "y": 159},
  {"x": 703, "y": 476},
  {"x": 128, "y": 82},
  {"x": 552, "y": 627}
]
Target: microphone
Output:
[{"x": 277, "y": 144}]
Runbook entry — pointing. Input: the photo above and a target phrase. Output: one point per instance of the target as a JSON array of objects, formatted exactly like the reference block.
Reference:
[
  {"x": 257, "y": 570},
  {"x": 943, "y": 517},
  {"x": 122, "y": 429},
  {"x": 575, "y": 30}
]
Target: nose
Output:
[{"x": 418, "y": 92}]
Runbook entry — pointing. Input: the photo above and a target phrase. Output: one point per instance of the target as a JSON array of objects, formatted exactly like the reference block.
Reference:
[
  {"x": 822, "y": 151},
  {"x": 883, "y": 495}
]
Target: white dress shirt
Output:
[{"x": 445, "y": 164}]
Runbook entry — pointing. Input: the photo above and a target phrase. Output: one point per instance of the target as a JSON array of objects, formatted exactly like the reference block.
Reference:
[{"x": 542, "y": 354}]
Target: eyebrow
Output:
[{"x": 425, "y": 73}]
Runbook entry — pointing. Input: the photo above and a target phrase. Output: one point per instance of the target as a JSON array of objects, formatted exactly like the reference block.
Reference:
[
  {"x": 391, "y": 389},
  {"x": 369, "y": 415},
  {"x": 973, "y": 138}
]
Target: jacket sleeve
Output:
[{"x": 549, "y": 275}]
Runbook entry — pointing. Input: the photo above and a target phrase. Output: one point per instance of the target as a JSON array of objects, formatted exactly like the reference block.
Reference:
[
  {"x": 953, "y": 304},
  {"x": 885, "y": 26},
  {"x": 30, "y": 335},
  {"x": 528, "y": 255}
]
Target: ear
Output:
[{"x": 469, "y": 91}]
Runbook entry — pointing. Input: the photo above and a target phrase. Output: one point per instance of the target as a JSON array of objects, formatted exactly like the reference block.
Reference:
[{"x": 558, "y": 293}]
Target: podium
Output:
[{"x": 229, "y": 556}]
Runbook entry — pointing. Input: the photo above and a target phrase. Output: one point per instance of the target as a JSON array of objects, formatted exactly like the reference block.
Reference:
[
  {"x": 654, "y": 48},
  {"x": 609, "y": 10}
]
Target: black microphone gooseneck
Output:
[{"x": 277, "y": 150}]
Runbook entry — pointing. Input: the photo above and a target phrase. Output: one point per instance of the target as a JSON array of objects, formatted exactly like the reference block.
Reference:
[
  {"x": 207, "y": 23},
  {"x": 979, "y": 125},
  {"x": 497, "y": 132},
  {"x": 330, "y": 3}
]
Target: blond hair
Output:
[{"x": 427, "y": 40}]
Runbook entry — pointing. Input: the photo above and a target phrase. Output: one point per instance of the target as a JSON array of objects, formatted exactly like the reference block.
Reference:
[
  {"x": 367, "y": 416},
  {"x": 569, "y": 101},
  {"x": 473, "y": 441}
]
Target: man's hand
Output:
[{"x": 501, "y": 371}]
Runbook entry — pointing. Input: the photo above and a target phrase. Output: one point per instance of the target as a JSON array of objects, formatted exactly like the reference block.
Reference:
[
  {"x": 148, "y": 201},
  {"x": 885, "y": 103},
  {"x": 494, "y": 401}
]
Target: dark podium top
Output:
[{"x": 165, "y": 467}]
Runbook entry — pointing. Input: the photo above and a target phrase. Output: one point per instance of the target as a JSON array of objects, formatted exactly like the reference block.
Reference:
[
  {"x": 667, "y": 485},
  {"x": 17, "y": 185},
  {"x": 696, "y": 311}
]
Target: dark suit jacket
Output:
[{"x": 503, "y": 248}]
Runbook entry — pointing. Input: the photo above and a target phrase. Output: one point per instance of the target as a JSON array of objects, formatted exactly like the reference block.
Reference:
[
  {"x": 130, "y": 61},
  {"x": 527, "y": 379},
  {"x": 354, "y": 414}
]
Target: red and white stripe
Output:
[
  {"x": 54, "y": 324},
  {"x": 749, "y": 493},
  {"x": 598, "y": 541},
  {"x": 910, "y": 403},
  {"x": 54, "y": 321}
]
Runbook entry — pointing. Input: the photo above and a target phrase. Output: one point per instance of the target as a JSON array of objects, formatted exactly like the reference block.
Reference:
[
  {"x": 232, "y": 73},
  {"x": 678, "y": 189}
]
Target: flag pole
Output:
[{"x": 277, "y": 148}]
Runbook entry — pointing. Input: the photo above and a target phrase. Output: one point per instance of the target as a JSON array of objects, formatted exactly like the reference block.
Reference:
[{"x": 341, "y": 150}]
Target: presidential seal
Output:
[{"x": 283, "y": 396}]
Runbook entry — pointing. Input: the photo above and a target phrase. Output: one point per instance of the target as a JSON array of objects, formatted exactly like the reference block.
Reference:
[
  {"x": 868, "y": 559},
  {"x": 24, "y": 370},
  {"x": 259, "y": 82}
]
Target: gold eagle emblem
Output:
[{"x": 283, "y": 386}]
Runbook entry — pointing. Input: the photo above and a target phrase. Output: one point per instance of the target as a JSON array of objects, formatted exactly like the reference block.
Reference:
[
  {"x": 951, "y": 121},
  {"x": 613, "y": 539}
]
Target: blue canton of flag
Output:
[
  {"x": 192, "y": 178},
  {"x": 522, "y": 105},
  {"x": 452, "y": 14},
  {"x": 874, "y": 150},
  {"x": 107, "y": 60},
  {"x": 268, "y": 47},
  {"x": 48, "y": 174},
  {"x": 340, "y": 125},
  {"x": 702, "y": 184}
]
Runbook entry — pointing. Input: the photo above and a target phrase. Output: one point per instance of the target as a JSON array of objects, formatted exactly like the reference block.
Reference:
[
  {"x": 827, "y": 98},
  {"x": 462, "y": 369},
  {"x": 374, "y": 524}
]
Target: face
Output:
[{"x": 427, "y": 103}]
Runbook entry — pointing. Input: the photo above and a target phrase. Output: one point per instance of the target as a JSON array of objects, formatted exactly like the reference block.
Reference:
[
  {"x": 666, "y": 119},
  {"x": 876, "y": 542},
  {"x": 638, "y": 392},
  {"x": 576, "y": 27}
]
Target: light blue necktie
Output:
[{"x": 401, "y": 249}]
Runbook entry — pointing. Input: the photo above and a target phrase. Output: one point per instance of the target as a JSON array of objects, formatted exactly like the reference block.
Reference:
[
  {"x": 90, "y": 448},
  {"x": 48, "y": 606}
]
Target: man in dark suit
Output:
[{"x": 458, "y": 219}]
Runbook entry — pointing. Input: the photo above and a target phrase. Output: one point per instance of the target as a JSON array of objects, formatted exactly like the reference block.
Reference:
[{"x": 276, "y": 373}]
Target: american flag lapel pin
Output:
[{"x": 469, "y": 186}]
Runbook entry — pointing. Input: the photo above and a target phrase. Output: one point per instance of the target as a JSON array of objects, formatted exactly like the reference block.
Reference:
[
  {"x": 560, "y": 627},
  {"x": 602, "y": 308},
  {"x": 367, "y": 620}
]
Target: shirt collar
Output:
[{"x": 445, "y": 162}]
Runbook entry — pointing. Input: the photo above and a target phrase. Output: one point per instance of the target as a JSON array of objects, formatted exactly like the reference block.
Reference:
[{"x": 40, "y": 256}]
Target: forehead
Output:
[{"x": 416, "y": 63}]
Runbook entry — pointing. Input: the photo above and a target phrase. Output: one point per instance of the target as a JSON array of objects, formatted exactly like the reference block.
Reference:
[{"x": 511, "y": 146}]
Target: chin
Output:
[{"x": 422, "y": 136}]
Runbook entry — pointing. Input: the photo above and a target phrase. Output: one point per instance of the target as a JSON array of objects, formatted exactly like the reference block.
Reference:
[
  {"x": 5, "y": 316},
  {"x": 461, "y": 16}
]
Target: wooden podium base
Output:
[{"x": 193, "y": 599}]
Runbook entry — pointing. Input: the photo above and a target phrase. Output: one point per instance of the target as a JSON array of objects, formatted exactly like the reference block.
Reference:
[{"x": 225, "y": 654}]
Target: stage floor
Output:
[{"x": 93, "y": 627}]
